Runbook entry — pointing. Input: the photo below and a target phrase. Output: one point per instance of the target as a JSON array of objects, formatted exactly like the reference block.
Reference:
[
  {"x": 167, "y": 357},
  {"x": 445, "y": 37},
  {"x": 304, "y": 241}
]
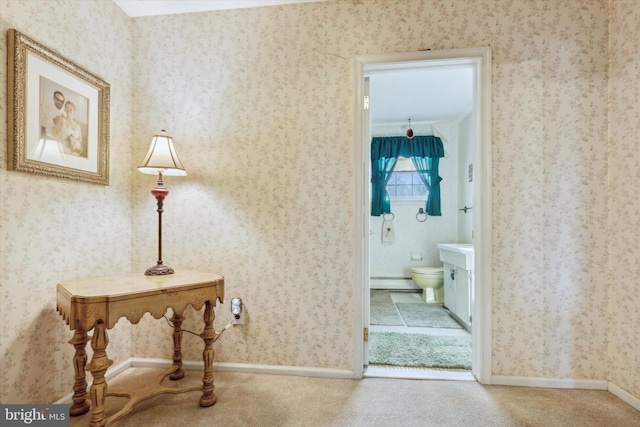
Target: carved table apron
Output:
[{"x": 97, "y": 303}]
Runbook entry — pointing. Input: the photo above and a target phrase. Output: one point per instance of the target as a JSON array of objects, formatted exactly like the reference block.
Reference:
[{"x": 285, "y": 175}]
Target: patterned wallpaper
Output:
[
  {"x": 259, "y": 102},
  {"x": 549, "y": 132},
  {"x": 623, "y": 294},
  {"x": 53, "y": 230}
]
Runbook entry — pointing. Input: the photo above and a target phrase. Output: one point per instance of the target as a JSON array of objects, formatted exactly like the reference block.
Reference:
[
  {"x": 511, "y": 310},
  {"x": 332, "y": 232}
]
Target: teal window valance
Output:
[{"x": 424, "y": 151}]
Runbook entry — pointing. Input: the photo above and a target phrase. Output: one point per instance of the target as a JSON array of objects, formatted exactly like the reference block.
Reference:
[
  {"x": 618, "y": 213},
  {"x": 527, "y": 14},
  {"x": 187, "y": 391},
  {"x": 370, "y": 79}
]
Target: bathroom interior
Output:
[{"x": 421, "y": 265}]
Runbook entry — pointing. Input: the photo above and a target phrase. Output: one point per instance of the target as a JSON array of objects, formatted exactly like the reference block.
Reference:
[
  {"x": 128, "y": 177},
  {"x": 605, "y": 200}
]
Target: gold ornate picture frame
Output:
[{"x": 58, "y": 114}]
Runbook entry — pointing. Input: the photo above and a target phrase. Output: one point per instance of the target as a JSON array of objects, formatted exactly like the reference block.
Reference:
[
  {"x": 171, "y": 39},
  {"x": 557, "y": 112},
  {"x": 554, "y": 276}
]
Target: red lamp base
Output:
[{"x": 159, "y": 192}]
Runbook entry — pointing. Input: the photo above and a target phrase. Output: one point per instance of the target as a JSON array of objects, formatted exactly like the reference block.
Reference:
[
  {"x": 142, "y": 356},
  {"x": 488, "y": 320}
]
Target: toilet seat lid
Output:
[{"x": 428, "y": 270}]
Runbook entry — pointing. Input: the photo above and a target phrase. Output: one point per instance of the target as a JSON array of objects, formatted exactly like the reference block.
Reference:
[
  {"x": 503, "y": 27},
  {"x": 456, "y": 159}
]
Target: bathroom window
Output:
[{"x": 405, "y": 182}]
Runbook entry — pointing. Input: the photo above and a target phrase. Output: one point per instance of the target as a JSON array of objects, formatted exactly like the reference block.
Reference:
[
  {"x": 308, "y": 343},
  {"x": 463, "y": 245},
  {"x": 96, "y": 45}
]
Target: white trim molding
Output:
[
  {"x": 549, "y": 382},
  {"x": 569, "y": 383},
  {"x": 480, "y": 59},
  {"x": 299, "y": 371},
  {"x": 624, "y": 395}
]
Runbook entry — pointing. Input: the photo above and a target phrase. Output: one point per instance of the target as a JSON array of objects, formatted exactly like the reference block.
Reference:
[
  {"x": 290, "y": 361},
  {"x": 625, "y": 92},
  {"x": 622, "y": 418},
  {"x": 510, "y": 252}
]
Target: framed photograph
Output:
[{"x": 58, "y": 114}]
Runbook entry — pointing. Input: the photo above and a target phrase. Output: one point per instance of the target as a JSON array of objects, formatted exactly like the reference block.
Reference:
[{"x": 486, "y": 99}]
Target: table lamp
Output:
[{"x": 162, "y": 160}]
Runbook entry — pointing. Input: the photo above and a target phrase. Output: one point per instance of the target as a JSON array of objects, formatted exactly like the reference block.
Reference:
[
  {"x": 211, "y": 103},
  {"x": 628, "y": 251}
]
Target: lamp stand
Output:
[{"x": 159, "y": 192}]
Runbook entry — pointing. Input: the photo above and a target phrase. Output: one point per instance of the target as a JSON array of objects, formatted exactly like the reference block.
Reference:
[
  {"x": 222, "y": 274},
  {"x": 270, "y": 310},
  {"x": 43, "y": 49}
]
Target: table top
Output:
[
  {"x": 108, "y": 298},
  {"x": 135, "y": 283}
]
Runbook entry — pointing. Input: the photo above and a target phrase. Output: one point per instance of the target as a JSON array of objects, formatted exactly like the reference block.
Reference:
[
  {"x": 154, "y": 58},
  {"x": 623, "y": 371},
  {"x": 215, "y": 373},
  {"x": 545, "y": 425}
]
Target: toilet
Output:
[{"x": 431, "y": 281}]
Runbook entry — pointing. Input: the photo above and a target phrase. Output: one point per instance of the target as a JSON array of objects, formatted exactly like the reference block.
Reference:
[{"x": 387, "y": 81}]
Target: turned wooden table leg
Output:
[
  {"x": 208, "y": 335},
  {"x": 177, "y": 346},
  {"x": 98, "y": 367},
  {"x": 80, "y": 403}
]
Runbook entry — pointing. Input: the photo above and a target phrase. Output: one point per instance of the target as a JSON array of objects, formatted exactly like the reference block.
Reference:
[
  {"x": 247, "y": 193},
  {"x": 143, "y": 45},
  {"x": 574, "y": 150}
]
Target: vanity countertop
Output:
[
  {"x": 463, "y": 248},
  {"x": 457, "y": 254}
]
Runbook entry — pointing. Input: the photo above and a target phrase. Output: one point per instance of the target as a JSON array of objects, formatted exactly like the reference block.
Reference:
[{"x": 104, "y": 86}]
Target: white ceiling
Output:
[
  {"x": 135, "y": 8},
  {"x": 426, "y": 95},
  {"x": 434, "y": 94}
]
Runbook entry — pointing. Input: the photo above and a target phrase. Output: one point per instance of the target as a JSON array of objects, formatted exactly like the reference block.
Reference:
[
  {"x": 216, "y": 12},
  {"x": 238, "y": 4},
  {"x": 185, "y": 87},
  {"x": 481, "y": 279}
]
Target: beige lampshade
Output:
[{"x": 162, "y": 157}]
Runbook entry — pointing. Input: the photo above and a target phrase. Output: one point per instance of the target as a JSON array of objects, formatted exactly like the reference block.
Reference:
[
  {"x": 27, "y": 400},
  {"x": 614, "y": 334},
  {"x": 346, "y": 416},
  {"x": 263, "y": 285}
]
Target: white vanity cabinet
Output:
[
  {"x": 449, "y": 286},
  {"x": 457, "y": 262},
  {"x": 463, "y": 294}
]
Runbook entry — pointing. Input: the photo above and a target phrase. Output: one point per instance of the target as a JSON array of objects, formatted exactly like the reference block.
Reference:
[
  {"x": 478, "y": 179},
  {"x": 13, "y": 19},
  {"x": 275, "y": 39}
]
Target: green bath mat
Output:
[
  {"x": 425, "y": 351},
  {"x": 426, "y": 315},
  {"x": 383, "y": 311}
]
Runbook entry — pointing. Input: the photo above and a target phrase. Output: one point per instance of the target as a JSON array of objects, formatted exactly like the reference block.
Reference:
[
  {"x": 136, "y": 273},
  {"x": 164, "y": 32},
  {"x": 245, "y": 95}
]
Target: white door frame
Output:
[{"x": 480, "y": 59}]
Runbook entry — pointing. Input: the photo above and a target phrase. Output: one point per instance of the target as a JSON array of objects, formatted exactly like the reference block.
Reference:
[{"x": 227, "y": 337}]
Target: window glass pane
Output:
[
  {"x": 404, "y": 178},
  {"x": 404, "y": 191},
  {"x": 419, "y": 191},
  {"x": 406, "y": 184}
]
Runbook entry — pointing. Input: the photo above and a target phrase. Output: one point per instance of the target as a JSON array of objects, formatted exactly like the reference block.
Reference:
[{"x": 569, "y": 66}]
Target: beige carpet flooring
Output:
[{"x": 275, "y": 400}]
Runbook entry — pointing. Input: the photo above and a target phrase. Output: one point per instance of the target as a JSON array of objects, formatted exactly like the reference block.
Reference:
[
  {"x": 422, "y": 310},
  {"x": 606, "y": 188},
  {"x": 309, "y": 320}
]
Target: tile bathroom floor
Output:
[{"x": 384, "y": 371}]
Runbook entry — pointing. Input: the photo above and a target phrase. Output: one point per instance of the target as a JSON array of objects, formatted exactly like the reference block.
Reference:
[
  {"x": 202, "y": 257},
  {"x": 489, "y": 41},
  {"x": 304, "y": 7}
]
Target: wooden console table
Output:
[{"x": 97, "y": 303}]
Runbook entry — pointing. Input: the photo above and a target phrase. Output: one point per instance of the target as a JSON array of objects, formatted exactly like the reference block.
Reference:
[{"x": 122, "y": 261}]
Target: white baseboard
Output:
[
  {"x": 624, "y": 395},
  {"x": 136, "y": 362},
  {"x": 571, "y": 384},
  {"x": 397, "y": 284},
  {"x": 299, "y": 371},
  {"x": 549, "y": 382}
]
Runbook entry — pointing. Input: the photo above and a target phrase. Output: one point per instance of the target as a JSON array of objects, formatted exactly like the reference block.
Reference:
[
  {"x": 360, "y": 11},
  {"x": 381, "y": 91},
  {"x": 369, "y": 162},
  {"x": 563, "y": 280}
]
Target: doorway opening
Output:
[{"x": 389, "y": 102}]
